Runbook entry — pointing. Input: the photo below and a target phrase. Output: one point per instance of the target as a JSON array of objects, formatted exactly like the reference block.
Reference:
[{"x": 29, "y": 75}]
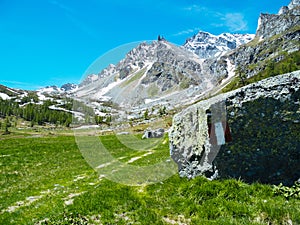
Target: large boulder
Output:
[
  {"x": 252, "y": 133},
  {"x": 153, "y": 133}
]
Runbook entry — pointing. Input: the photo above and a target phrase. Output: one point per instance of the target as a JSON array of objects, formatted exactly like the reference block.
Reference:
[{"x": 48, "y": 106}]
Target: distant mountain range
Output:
[
  {"x": 161, "y": 74},
  {"x": 206, "y": 45},
  {"x": 66, "y": 88}
]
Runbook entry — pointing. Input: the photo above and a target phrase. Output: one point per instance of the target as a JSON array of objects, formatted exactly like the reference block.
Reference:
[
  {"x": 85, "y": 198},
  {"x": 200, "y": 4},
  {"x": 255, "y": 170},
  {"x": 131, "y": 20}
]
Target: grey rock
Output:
[
  {"x": 232, "y": 152},
  {"x": 153, "y": 133},
  {"x": 293, "y": 4},
  {"x": 272, "y": 24}
]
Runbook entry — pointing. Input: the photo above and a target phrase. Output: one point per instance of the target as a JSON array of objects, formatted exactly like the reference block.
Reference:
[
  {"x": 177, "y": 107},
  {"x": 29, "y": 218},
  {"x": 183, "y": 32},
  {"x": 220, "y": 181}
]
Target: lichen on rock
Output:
[{"x": 264, "y": 139}]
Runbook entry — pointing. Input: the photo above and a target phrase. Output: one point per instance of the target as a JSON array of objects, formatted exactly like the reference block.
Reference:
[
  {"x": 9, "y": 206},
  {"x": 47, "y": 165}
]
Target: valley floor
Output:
[{"x": 44, "y": 179}]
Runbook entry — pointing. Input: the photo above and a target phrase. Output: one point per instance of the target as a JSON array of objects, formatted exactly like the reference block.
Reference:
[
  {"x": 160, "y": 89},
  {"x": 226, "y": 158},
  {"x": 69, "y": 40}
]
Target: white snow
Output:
[
  {"x": 86, "y": 127},
  {"x": 4, "y": 96},
  {"x": 99, "y": 113},
  {"x": 50, "y": 90},
  {"x": 106, "y": 89},
  {"x": 231, "y": 71},
  {"x": 43, "y": 97},
  {"x": 204, "y": 41},
  {"x": 12, "y": 90},
  {"x": 78, "y": 115},
  {"x": 147, "y": 101}
]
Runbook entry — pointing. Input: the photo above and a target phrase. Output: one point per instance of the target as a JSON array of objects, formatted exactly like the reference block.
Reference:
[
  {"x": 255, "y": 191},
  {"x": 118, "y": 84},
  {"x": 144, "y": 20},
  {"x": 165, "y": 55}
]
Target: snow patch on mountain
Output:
[
  {"x": 4, "y": 96},
  {"x": 207, "y": 45},
  {"x": 50, "y": 90}
]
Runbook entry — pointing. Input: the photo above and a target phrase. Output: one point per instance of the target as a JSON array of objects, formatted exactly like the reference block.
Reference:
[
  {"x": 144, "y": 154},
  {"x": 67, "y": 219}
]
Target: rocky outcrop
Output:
[
  {"x": 153, "y": 133},
  {"x": 251, "y": 133},
  {"x": 68, "y": 87},
  {"x": 277, "y": 37},
  {"x": 273, "y": 24},
  {"x": 293, "y": 4}
]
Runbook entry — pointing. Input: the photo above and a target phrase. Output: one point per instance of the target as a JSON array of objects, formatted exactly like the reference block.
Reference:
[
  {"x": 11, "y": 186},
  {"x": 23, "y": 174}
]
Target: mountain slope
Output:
[
  {"x": 276, "y": 41},
  {"x": 160, "y": 73},
  {"x": 159, "y": 70}
]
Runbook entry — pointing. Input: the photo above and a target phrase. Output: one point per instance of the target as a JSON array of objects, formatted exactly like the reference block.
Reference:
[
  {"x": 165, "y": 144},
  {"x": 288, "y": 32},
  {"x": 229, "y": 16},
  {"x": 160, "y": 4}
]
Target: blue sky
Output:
[{"x": 52, "y": 42}]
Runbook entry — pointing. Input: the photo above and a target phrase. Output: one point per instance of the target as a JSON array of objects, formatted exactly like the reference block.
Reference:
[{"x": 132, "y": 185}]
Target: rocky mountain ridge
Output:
[
  {"x": 161, "y": 74},
  {"x": 64, "y": 89},
  {"x": 161, "y": 67},
  {"x": 206, "y": 45},
  {"x": 273, "y": 24},
  {"x": 276, "y": 38}
]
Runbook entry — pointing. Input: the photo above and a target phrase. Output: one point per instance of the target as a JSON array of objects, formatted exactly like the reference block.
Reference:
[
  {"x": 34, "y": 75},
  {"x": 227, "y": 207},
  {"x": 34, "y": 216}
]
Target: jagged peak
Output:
[
  {"x": 272, "y": 24},
  {"x": 293, "y": 4},
  {"x": 207, "y": 45}
]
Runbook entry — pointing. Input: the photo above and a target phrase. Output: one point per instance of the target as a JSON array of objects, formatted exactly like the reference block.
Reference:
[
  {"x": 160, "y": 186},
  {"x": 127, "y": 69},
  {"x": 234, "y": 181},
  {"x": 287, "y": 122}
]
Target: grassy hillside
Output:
[
  {"x": 290, "y": 63},
  {"x": 45, "y": 180}
]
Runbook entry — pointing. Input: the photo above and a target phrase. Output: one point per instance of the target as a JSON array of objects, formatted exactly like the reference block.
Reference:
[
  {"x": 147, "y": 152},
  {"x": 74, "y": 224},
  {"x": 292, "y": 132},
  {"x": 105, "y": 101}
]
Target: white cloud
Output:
[
  {"x": 235, "y": 22},
  {"x": 18, "y": 84},
  {"x": 188, "y": 31},
  {"x": 195, "y": 8}
]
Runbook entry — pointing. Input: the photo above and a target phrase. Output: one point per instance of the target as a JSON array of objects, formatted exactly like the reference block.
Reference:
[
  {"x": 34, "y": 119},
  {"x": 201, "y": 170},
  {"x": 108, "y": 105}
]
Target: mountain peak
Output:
[
  {"x": 272, "y": 24},
  {"x": 293, "y": 4},
  {"x": 207, "y": 45}
]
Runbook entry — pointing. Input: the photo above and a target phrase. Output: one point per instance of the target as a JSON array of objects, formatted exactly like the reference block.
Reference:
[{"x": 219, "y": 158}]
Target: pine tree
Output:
[
  {"x": 6, "y": 125},
  {"x": 146, "y": 114}
]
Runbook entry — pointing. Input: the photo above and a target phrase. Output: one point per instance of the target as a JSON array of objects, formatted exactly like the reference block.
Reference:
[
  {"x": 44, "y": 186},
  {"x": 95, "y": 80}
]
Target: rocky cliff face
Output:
[
  {"x": 276, "y": 38},
  {"x": 251, "y": 133},
  {"x": 273, "y": 24}
]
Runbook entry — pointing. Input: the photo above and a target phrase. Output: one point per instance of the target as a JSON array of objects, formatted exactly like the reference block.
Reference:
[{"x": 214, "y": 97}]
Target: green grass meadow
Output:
[{"x": 46, "y": 180}]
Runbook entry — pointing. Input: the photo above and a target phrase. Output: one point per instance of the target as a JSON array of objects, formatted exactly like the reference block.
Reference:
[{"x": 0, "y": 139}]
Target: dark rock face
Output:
[
  {"x": 68, "y": 87},
  {"x": 264, "y": 138}
]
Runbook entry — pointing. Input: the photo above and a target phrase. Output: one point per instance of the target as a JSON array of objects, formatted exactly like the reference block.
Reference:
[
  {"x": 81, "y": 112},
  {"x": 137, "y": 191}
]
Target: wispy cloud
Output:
[
  {"x": 18, "y": 84},
  {"x": 234, "y": 21},
  {"x": 188, "y": 31},
  {"x": 195, "y": 8}
]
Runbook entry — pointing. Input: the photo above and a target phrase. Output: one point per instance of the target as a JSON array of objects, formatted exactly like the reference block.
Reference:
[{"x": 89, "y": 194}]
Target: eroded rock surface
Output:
[{"x": 252, "y": 133}]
